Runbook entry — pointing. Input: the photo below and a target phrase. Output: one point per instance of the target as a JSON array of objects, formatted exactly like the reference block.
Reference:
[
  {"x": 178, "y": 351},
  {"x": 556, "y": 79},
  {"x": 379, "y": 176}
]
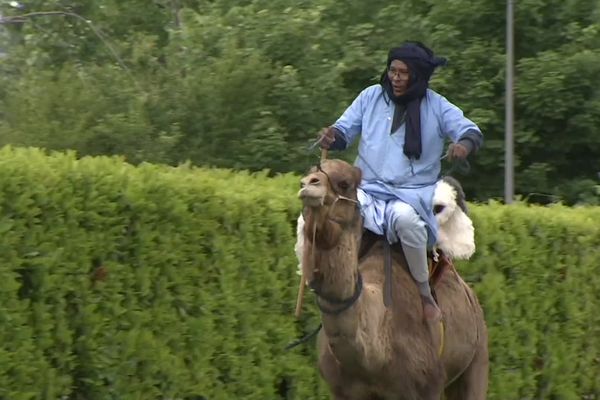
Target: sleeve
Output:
[
  {"x": 459, "y": 128},
  {"x": 340, "y": 140},
  {"x": 349, "y": 125}
]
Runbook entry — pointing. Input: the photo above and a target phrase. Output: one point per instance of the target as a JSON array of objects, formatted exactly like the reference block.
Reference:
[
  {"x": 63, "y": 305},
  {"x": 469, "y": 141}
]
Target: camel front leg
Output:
[
  {"x": 342, "y": 387},
  {"x": 473, "y": 383}
]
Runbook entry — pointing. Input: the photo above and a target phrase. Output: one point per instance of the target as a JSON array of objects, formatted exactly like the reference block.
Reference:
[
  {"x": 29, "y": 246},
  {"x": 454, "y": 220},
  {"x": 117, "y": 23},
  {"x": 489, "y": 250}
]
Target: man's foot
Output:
[{"x": 431, "y": 311}]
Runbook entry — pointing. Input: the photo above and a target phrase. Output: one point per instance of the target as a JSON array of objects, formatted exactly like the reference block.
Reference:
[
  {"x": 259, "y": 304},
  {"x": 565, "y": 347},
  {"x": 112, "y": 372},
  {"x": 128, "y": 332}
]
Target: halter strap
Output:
[{"x": 343, "y": 303}]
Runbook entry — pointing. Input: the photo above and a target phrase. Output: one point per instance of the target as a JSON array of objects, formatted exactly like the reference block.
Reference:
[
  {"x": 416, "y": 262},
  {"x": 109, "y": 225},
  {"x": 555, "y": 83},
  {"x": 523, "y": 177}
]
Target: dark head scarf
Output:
[{"x": 421, "y": 63}]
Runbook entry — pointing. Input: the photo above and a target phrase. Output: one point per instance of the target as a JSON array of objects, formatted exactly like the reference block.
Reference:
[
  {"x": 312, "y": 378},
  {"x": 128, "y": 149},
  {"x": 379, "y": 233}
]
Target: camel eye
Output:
[
  {"x": 344, "y": 185},
  {"x": 438, "y": 208}
]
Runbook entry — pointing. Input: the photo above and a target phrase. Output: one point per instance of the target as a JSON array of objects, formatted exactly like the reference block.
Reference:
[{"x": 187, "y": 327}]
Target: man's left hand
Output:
[{"x": 457, "y": 151}]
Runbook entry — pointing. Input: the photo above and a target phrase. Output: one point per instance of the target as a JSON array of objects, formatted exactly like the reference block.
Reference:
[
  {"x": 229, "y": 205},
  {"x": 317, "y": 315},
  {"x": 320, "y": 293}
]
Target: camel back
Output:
[{"x": 437, "y": 265}]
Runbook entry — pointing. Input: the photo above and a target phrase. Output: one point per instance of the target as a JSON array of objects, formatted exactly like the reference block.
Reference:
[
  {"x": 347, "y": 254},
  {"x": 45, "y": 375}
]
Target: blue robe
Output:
[{"x": 387, "y": 172}]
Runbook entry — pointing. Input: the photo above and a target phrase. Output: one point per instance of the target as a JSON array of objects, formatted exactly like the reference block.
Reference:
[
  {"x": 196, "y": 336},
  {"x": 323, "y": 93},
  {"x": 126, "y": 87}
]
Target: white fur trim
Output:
[
  {"x": 299, "y": 247},
  {"x": 456, "y": 235}
]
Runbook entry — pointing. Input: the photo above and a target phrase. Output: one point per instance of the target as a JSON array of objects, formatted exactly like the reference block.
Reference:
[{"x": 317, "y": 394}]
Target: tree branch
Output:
[{"x": 15, "y": 19}]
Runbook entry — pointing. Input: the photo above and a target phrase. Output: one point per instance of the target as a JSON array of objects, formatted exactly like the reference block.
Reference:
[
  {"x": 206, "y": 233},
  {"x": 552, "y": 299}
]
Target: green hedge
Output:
[
  {"x": 199, "y": 293},
  {"x": 536, "y": 274},
  {"x": 149, "y": 282}
]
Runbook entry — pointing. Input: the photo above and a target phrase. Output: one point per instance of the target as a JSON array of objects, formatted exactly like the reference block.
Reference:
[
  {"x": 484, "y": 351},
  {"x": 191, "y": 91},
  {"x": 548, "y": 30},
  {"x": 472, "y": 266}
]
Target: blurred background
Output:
[{"x": 247, "y": 84}]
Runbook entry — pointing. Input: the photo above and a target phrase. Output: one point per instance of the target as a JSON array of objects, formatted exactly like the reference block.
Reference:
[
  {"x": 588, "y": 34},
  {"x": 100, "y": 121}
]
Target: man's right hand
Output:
[{"x": 327, "y": 137}]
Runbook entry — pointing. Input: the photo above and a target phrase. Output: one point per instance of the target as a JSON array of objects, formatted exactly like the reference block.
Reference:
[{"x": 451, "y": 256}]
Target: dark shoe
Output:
[{"x": 431, "y": 311}]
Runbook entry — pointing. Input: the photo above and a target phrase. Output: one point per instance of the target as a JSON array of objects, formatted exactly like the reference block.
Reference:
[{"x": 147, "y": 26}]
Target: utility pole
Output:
[{"x": 509, "y": 179}]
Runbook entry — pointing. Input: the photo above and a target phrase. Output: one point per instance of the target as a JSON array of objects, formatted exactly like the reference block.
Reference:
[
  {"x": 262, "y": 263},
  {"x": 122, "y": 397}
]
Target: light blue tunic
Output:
[{"x": 387, "y": 173}]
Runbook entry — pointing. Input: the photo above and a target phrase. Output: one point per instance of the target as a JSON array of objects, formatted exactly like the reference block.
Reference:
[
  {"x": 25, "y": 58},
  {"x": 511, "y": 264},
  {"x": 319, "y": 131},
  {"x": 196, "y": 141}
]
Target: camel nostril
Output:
[{"x": 314, "y": 181}]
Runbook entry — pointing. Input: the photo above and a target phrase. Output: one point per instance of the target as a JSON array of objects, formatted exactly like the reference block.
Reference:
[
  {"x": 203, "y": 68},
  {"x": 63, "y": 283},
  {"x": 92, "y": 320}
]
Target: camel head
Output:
[
  {"x": 331, "y": 210},
  {"x": 328, "y": 193},
  {"x": 330, "y": 184}
]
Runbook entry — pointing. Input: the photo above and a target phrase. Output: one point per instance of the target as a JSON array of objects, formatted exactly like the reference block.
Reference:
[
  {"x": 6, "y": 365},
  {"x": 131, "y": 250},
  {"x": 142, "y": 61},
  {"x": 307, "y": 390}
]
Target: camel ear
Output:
[{"x": 357, "y": 175}]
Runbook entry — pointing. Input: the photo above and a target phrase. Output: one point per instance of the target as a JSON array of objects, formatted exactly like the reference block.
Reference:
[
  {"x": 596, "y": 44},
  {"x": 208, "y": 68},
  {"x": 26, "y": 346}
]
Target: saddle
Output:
[{"x": 439, "y": 263}]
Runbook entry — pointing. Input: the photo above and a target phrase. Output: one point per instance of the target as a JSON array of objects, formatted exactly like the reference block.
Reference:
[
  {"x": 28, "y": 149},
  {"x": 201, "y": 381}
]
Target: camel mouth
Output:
[{"x": 312, "y": 196}]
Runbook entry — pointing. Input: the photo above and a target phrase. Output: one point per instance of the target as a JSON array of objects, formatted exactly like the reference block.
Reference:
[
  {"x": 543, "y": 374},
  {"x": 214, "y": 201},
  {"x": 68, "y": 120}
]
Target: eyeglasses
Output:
[{"x": 398, "y": 73}]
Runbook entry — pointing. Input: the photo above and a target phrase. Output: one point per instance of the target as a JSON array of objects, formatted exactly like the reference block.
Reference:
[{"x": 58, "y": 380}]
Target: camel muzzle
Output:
[{"x": 312, "y": 194}]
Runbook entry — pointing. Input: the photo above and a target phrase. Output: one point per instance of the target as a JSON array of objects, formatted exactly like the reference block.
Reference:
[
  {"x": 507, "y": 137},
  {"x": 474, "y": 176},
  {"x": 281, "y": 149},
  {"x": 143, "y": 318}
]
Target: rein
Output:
[
  {"x": 346, "y": 303},
  {"x": 341, "y": 223},
  {"x": 343, "y": 304},
  {"x": 338, "y": 197}
]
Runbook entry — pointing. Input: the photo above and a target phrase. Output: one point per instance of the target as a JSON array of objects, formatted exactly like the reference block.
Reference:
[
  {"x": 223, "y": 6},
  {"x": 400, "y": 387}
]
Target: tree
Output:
[{"x": 248, "y": 84}]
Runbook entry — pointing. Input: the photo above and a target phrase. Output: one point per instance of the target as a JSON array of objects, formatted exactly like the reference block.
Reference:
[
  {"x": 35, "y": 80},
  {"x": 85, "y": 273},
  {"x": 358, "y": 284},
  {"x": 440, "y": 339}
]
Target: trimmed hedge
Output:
[
  {"x": 144, "y": 283},
  {"x": 150, "y": 282},
  {"x": 536, "y": 274}
]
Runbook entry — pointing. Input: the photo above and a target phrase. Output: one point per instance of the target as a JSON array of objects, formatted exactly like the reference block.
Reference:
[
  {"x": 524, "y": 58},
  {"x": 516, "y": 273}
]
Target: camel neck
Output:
[
  {"x": 332, "y": 251},
  {"x": 337, "y": 269},
  {"x": 336, "y": 277}
]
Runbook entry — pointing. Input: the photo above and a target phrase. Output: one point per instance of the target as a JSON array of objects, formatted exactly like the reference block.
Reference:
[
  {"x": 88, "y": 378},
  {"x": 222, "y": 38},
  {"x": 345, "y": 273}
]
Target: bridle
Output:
[
  {"x": 339, "y": 305},
  {"x": 338, "y": 197}
]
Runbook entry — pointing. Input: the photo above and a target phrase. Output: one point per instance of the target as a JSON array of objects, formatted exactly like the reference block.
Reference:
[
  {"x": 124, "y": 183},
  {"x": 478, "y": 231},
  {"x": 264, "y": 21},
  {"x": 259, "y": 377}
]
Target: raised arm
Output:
[
  {"x": 458, "y": 128},
  {"x": 347, "y": 128}
]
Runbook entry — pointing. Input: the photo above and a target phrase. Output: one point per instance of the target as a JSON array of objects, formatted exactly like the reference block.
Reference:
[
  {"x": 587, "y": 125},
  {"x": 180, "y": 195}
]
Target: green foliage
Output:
[
  {"x": 535, "y": 274},
  {"x": 107, "y": 121},
  {"x": 198, "y": 293},
  {"x": 155, "y": 282},
  {"x": 248, "y": 84}
]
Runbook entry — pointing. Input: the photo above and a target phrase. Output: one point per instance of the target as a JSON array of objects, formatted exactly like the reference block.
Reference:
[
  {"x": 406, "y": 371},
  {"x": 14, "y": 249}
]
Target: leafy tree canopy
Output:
[{"x": 248, "y": 84}]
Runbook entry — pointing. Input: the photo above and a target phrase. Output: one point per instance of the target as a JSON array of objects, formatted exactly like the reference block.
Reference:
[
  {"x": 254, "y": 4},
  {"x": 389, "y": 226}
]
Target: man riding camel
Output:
[{"x": 403, "y": 127}]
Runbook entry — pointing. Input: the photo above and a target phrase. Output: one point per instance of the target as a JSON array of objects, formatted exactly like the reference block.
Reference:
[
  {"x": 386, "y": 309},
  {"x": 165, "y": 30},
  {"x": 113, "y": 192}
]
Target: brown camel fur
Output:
[{"x": 368, "y": 351}]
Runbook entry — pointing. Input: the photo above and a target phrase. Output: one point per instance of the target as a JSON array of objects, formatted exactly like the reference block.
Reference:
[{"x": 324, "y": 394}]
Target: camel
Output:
[{"x": 368, "y": 351}]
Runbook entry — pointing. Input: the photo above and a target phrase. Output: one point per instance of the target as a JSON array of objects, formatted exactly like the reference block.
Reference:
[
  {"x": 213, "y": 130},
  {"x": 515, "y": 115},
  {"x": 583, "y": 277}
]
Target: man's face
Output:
[{"x": 399, "y": 77}]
